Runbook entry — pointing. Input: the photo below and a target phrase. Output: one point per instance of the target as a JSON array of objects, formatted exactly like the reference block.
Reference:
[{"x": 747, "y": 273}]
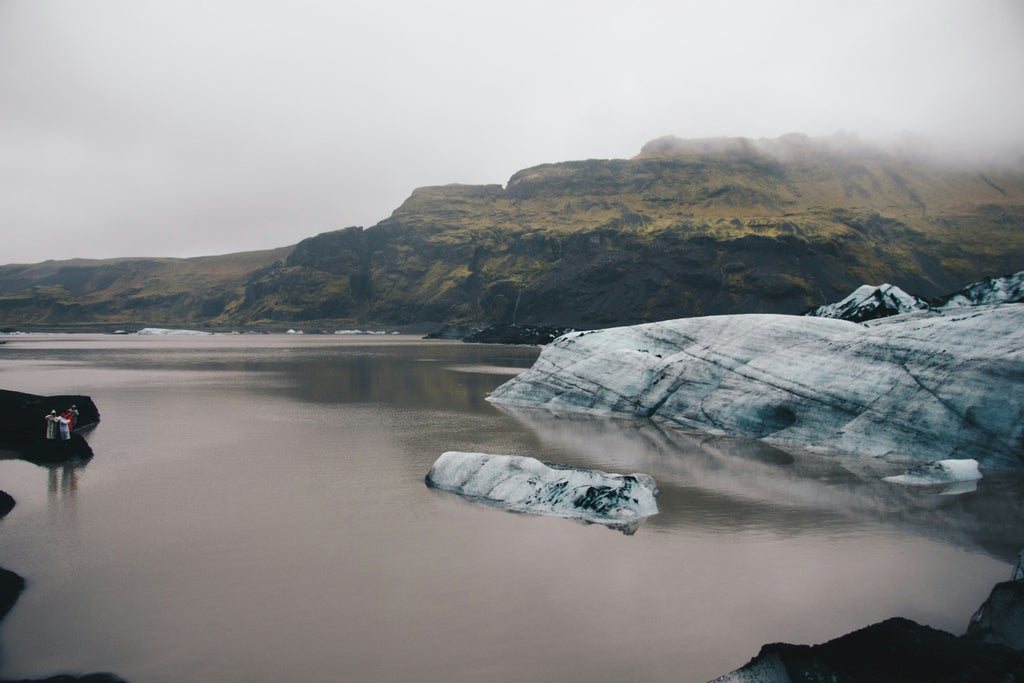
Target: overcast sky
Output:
[{"x": 199, "y": 127}]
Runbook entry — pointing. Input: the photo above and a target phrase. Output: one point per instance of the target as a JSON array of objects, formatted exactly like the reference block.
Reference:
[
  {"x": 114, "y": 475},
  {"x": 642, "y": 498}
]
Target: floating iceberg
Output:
[
  {"x": 919, "y": 386},
  {"x": 940, "y": 472},
  {"x": 147, "y": 331},
  {"x": 525, "y": 484}
]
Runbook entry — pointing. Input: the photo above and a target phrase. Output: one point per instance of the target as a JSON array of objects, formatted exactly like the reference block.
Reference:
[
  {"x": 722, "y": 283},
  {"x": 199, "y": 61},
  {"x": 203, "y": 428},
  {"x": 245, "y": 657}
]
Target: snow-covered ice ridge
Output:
[
  {"x": 526, "y": 484},
  {"x": 993, "y": 290},
  {"x": 921, "y": 386},
  {"x": 868, "y": 302}
]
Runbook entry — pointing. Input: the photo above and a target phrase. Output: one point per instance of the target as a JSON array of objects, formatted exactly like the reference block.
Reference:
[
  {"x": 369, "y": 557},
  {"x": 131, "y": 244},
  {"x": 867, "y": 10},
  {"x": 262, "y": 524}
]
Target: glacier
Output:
[
  {"x": 523, "y": 484},
  {"x": 921, "y": 386}
]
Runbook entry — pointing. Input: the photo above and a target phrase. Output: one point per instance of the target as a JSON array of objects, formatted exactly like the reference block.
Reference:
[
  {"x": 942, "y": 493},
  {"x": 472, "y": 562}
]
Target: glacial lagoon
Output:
[{"x": 256, "y": 511}]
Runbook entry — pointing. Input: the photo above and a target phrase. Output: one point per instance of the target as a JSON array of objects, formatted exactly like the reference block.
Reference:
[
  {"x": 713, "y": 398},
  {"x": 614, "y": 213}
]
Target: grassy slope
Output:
[
  {"x": 126, "y": 290},
  {"x": 701, "y": 230},
  {"x": 684, "y": 228}
]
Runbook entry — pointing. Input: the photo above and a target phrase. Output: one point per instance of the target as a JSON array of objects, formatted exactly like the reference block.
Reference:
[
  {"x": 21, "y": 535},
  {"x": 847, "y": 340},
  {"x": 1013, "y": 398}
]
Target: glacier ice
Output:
[
  {"x": 525, "y": 484},
  {"x": 993, "y": 290},
  {"x": 920, "y": 387},
  {"x": 953, "y": 471},
  {"x": 869, "y": 303},
  {"x": 161, "y": 331}
]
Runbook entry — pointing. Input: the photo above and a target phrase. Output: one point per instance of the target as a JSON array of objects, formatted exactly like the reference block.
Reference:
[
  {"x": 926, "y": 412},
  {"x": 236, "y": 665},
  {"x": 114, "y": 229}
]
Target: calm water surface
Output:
[{"x": 255, "y": 511}]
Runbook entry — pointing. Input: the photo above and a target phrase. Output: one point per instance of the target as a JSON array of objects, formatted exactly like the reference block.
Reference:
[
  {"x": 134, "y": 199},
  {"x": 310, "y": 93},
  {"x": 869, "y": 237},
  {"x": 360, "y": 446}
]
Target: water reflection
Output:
[
  {"x": 62, "y": 487},
  {"x": 403, "y": 380},
  {"x": 62, "y": 481},
  {"x": 722, "y": 482}
]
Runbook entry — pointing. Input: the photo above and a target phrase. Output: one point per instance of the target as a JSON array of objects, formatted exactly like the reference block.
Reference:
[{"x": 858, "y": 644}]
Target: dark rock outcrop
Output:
[
  {"x": 6, "y": 503},
  {"x": 11, "y": 586},
  {"x": 530, "y": 335},
  {"x": 533, "y": 335},
  {"x": 68, "y": 678},
  {"x": 896, "y": 650},
  {"x": 23, "y": 426},
  {"x": 899, "y": 650}
]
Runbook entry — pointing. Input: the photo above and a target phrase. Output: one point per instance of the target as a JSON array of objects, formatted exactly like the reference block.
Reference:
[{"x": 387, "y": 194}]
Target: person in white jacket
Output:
[
  {"x": 65, "y": 427},
  {"x": 52, "y": 426}
]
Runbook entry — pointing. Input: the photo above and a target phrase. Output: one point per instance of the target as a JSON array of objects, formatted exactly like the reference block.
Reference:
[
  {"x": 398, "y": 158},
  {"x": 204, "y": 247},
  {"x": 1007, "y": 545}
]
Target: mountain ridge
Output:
[{"x": 684, "y": 228}]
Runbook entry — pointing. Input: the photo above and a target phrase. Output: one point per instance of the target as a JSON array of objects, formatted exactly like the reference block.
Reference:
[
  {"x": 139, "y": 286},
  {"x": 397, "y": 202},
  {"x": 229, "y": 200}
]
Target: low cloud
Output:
[{"x": 138, "y": 127}]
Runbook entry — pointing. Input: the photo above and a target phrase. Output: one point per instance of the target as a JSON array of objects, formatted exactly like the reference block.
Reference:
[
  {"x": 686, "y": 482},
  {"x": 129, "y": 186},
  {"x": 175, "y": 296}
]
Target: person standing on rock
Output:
[
  {"x": 52, "y": 426},
  {"x": 65, "y": 427},
  {"x": 71, "y": 415}
]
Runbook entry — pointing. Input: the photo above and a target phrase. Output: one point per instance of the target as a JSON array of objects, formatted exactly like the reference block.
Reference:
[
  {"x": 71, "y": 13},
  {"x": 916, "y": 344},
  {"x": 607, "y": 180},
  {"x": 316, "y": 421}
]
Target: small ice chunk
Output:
[
  {"x": 939, "y": 472},
  {"x": 161, "y": 331}
]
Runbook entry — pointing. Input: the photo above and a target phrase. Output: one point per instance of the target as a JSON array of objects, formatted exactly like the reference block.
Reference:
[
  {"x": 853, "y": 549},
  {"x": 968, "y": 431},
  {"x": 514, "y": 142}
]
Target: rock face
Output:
[
  {"x": 525, "y": 484},
  {"x": 920, "y": 387}
]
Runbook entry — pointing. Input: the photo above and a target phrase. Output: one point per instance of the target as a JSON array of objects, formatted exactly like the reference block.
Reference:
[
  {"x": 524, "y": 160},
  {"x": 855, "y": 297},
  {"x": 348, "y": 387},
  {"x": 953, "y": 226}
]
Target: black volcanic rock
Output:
[
  {"x": 452, "y": 332},
  {"x": 896, "y": 650},
  {"x": 6, "y": 503},
  {"x": 11, "y": 586},
  {"x": 69, "y": 678},
  {"x": 23, "y": 426},
  {"x": 532, "y": 335},
  {"x": 899, "y": 650}
]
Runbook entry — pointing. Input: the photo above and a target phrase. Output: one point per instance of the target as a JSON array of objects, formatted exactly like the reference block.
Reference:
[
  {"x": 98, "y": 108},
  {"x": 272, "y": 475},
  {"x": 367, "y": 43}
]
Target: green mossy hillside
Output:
[{"x": 687, "y": 227}]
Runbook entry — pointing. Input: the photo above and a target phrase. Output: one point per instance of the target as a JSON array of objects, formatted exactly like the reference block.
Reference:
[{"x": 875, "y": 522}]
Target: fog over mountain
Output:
[{"x": 146, "y": 128}]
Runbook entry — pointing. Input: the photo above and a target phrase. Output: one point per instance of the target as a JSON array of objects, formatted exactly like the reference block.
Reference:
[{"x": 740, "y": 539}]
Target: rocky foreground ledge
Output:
[
  {"x": 902, "y": 651},
  {"x": 917, "y": 387}
]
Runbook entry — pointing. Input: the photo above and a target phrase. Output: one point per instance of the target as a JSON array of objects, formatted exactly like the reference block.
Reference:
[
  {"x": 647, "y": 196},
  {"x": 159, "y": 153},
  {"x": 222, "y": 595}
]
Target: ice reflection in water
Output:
[{"x": 733, "y": 483}]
